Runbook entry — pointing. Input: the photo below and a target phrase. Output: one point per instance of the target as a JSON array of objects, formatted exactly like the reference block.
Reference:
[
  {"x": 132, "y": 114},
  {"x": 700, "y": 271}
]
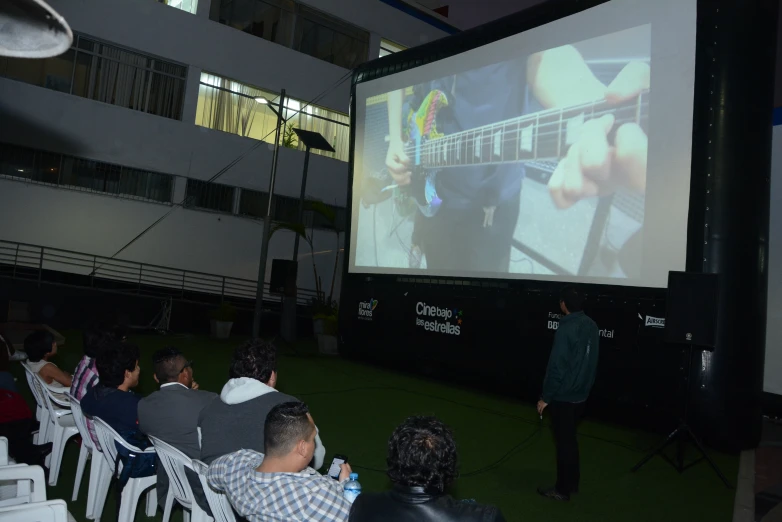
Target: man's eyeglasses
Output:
[{"x": 188, "y": 364}]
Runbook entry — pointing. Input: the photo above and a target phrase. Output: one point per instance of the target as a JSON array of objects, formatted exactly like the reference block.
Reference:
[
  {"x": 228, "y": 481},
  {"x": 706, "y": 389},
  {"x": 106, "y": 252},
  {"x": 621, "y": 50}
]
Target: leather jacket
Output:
[{"x": 404, "y": 504}]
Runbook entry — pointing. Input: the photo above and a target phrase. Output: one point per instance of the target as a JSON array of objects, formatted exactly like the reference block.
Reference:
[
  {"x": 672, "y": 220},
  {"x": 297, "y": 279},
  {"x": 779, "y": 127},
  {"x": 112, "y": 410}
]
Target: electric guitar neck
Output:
[{"x": 541, "y": 136}]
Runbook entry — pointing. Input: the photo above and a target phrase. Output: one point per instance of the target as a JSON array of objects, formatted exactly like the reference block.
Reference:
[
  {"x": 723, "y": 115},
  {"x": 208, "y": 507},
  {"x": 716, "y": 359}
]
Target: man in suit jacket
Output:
[{"x": 171, "y": 414}]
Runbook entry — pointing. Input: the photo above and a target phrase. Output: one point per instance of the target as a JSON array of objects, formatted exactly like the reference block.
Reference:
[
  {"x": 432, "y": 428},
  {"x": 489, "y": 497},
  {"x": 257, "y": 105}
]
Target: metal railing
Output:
[{"x": 34, "y": 262}]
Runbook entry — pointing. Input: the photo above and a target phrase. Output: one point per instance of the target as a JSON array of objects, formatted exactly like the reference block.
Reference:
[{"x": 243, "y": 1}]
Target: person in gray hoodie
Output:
[{"x": 236, "y": 421}]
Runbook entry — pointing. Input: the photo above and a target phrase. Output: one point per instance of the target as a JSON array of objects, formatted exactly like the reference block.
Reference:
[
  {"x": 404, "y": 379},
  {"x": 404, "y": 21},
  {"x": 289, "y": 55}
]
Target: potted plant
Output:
[
  {"x": 327, "y": 340},
  {"x": 222, "y": 320}
]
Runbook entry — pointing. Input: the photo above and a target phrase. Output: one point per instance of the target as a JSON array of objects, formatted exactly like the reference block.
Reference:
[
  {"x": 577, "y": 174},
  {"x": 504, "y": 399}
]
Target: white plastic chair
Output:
[
  {"x": 48, "y": 511},
  {"x": 60, "y": 428},
  {"x": 175, "y": 462},
  {"x": 99, "y": 470},
  {"x": 30, "y": 484},
  {"x": 135, "y": 486},
  {"x": 37, "y": 387},
  {"x": 218, "y": 502},
  {"x": 3, "y": 451}
]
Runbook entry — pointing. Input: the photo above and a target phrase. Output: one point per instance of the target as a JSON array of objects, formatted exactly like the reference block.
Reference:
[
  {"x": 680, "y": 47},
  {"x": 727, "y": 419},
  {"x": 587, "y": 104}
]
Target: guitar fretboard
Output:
[{"x": 542, "y": 136}]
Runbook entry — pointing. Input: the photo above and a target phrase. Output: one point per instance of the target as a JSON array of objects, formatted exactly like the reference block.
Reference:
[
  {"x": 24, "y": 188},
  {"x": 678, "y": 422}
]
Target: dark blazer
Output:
[
  {"x": 413, "y": 504},
  {"x": 171, "y": 415}
]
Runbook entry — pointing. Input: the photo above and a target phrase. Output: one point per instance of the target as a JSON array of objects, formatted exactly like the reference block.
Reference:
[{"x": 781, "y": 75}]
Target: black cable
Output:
[{"x": 222, "y": 171}]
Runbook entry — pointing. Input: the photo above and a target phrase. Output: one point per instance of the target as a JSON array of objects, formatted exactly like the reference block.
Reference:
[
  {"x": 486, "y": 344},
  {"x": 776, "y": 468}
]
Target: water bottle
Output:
[{"x": 352, "y": 488}]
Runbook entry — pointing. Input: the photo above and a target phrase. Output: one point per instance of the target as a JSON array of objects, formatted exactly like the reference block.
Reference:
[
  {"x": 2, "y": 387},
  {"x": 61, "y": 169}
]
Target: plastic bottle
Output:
[{"x": 352, "y": 488}]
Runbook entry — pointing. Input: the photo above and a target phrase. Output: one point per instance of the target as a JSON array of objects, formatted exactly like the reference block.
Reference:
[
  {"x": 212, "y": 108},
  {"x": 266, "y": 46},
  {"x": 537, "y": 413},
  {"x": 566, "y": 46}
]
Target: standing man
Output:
[{"x": 569, "y": 379}]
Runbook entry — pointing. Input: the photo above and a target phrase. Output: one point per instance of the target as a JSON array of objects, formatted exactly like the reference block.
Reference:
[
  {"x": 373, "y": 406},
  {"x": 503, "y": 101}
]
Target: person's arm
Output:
[
  {"x": 327, "y": 502},
  {"x": 557, "y": 365},
  {"x": 50, "y": 372},
  {"x": 560, "y": 77},
  {"x": 218, "y": 471},
  {"x": 397, "y": 161}
]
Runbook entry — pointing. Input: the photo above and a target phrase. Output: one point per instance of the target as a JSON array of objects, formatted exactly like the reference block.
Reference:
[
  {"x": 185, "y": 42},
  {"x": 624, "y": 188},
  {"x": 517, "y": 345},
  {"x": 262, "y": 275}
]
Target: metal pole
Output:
[
  {"x": 301, "y": 203},
  {"x": 267, "y": 224}
]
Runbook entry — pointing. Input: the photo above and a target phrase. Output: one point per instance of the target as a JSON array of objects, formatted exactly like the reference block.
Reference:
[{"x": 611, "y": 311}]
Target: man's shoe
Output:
[
  {"x": 44, "y": 449},
  {"x": 553, "y": 494}
]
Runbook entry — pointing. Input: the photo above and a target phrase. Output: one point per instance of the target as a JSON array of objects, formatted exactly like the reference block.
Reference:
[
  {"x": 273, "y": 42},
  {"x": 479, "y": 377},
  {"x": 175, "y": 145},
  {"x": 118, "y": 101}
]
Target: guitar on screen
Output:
[{"x": 543, "y": 136}]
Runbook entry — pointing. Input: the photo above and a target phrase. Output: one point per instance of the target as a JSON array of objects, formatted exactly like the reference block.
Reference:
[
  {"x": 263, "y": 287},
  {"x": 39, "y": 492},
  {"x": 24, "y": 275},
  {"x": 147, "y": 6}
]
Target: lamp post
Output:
[
  {"x": 267, "y": 219},
  {"x": 311, "y": 140}
]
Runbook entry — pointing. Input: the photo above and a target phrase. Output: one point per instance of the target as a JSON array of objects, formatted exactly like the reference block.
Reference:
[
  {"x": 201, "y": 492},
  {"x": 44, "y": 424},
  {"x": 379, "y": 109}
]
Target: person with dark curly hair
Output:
[
  {"x": 422, "y": 463},
  {"x": 236, "y": 420}
]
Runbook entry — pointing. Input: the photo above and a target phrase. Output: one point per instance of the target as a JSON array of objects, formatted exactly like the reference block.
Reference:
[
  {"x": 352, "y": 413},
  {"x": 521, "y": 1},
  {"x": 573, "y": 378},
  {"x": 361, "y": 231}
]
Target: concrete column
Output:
[{"x": 191, "y": 93}]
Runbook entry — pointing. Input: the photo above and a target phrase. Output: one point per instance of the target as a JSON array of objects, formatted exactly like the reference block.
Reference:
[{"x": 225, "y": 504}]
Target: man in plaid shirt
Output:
[{"x": 280, "y": 485}]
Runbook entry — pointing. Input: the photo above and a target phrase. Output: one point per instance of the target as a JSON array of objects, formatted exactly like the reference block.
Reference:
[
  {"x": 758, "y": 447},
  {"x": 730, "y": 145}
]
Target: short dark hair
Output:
[
  {"x": 93, "y": 340},
  {"x": 38, "y": 344},
  {"x": 422, "y": 453},
  {"x": 114, "y": 360},
  {"x": 286, "y": 424},
  {"x": 168, "y": 364},
  {"x": 256, "y": 359},
  {"x": 573, "y": 299}
]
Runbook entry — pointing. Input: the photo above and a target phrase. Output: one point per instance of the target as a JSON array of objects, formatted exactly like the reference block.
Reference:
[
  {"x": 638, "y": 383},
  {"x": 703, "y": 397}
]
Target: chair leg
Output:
[
  {"x": 98, "y": 472},
  {"x": 83, "y": 454},
  {"x": 102, "y": 490},
  {"x": 185, "y": 515},
  {"x": 58, "y": 445},
  {"x": 130, "y": 496},
  {"x": 152, "y": 502},
  {"x": 169, "y": 505}
]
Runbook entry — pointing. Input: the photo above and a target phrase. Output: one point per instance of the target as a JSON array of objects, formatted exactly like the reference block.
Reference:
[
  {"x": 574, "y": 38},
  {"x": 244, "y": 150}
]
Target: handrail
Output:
[{"x": 28, "y": 261}]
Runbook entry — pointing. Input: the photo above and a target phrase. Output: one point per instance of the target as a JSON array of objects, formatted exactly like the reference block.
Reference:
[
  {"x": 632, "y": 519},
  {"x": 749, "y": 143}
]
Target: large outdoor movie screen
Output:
[{"x": 562, "y": 152}]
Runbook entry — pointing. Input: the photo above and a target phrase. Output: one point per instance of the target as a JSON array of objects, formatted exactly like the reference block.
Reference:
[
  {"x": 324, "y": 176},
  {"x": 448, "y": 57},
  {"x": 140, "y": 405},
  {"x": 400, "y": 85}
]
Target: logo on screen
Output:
[
  {"x": 439, "y": 320},
  {"x": 365, "y": 309},
  {"x": 655, "y": 322}
]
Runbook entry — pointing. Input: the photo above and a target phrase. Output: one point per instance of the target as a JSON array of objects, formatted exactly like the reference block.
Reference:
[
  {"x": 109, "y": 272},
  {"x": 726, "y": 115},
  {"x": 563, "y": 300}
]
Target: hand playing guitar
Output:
[
  {"x": 397, "y": 161},
  {"x": 593, "y": 166}
]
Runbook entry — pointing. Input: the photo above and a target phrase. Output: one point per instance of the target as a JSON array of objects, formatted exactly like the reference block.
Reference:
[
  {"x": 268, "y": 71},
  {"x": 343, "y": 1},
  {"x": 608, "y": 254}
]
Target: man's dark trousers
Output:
[{"x": 564, "y": 420}]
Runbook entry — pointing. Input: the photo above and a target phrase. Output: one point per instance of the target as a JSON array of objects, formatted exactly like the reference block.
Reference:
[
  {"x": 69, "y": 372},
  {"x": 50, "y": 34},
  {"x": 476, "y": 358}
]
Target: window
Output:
[
  {"x": 252, "y": 203},
  {"x": 387, "y": 47},
  {"x": 109, "y": 74},
  {"x": 329, "y": 39},
  {"x": 191, "y": 6},
  {"x": 231, "y": 106},
  {"x": 295, "y": 25},
  {"x": 83, "y": 174},
  {"x": 209, "y": 196}
]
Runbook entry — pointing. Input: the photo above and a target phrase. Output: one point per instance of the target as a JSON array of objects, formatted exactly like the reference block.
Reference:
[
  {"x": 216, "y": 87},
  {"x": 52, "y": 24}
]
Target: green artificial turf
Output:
[{"x": 357, "y": 406}]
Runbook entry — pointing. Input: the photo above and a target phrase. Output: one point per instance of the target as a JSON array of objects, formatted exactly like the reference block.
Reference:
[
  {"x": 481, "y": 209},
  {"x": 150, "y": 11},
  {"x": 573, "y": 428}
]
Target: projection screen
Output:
[{"x": 560, "y": 153}]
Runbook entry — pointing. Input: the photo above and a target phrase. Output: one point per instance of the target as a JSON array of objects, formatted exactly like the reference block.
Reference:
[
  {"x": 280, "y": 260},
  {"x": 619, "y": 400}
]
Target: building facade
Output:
[{"x": 162, "y": 109}]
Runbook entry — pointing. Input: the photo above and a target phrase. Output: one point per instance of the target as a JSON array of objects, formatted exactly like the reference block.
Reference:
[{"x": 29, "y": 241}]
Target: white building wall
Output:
[{"x": 188, "y": 239}]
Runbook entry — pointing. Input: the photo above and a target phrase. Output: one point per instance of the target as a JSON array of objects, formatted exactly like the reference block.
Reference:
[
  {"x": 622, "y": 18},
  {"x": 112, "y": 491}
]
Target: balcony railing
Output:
[{"x": 37, "y": 263}]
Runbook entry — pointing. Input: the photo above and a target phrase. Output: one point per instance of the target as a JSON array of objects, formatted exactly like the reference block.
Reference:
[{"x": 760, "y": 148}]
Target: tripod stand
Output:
[{"x": 681, "y": 435}]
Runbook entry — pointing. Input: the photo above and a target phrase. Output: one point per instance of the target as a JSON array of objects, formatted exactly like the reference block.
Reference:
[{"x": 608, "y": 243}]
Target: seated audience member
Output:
[
  {"x": 16, "y": 425},
  {"x": 171, "y": 414},
  {"x": 278, "y": 484},
  {"x": 7, "y": 381},
  {"x": 422, "y": 463},
  {"x": 111, "y": 399},
  {"x": 41, "y": 347},
  {"x": 236, "y": 421},
  {"x": 86, "y": 374}
]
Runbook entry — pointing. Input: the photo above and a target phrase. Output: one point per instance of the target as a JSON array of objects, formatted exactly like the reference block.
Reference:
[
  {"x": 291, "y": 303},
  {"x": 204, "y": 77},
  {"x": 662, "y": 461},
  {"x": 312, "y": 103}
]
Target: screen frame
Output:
[{"x": 449, "y": 46}]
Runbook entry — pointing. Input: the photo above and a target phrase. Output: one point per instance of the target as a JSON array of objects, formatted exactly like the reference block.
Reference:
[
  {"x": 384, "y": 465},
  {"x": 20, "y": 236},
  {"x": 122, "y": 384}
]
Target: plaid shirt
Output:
[
  {"x": 260, "y": 497},
  {"x": 84, "y": 378}
]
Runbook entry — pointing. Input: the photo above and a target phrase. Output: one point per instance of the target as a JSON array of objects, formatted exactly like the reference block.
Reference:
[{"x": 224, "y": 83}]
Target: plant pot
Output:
[
  {"x": 221, "y": 329},
  {"x": 318, "y": 326},
  {"x": 327, "y": 344}
]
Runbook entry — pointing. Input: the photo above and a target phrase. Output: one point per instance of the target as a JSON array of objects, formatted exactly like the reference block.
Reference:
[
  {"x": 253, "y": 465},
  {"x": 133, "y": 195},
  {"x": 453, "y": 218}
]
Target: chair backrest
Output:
[
  {"x": 81, "y": 422},
  {"x": 107, "y": 438},
  {"x": 175, "y": 462},
  {"x": 31, "y": 382},
  {"x": 3, "y": 451},
  {"x": 49, "y": 511},
  {"x": 30, "y": 484},
  {"x": 45, "y": 397},
  {"x": 218, "y": 502}
]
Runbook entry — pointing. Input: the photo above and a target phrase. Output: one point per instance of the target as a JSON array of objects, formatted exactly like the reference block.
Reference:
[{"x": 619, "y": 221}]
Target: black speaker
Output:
[
  {"x": 283, "y": 280},
  {"x": 691, "y": 309}
]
